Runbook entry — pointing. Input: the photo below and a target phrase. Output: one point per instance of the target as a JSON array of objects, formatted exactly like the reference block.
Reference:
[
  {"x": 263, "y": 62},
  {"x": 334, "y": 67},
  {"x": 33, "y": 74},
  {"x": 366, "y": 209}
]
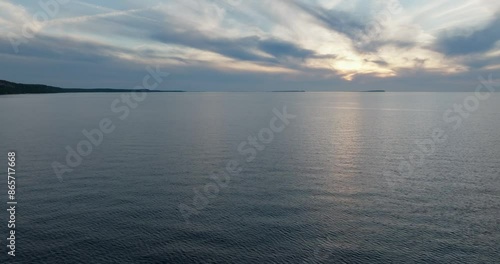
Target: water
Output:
[{"x": 317, "y": 193}]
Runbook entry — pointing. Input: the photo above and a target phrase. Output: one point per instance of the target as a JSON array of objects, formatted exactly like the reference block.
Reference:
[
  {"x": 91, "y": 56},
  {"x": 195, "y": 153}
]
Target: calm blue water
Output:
[{"x": 327, "y": 189}]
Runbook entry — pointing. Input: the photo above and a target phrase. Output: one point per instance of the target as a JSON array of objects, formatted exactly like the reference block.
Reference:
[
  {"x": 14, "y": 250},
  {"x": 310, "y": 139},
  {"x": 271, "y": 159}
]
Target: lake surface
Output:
[{"x": 331, "y": 187}]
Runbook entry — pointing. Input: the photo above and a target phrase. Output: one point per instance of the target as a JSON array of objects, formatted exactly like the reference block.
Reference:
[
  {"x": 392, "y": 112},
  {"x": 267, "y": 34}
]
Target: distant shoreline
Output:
[
  {"x": 374, "y": 91},
  {"x": 7, "y": 87},
  {"x": 289, "y": 91}
]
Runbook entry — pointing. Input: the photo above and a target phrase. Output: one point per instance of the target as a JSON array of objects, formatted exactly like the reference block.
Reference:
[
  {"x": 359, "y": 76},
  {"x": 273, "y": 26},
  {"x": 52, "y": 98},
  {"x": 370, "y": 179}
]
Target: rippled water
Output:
[{"x": 327, "y": 189}]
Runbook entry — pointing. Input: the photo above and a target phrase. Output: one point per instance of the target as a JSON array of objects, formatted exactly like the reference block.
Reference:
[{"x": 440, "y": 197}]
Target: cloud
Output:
[
  {"x": 378, "y": 62},
  {"x": 481, "y": 40},
  {"x": 366, "y": 34},
  {"x": 336, "y": 20},
  {"x": 246, "y": 48},
  {"x": 12, "y": 15},
  {"x": 64, "y": 49},
  {"x": 375, "y": 45},
  {"x": 279, "y": 48},
  {"x": 238, "y": 48}
]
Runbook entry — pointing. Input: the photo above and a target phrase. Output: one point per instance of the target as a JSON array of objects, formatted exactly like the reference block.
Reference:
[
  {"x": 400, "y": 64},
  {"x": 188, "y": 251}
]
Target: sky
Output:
[{"x": 258, "y": 45}]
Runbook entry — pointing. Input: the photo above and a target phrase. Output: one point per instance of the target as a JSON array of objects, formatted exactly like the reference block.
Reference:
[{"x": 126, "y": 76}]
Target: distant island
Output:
[
  {"x": 7, "y": 87},
  {"x": 374, "y": 91},
  {"x": 289, "y": 91}
]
